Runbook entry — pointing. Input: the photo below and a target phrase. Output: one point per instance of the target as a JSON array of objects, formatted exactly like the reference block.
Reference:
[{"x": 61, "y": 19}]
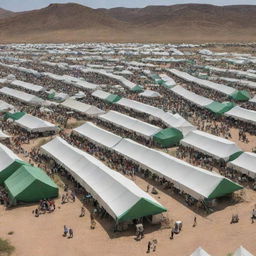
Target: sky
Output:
[{"x": 24, "y": 5}]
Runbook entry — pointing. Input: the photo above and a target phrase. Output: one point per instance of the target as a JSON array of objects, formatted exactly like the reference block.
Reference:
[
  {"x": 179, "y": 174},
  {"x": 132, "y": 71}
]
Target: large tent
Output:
[
  {"x": 30, "y": 184},
  {"x": 83, "y": 108},
  {"x": 119, "y": 196},
  {"x": 200, "y": 252},
  {"x": 214, "y": 146},
  {"x": 35, "y": 124},
  {"x": 97, "y": 135},
  {"x": 242, "y": 95},
  {"x": 241, "y": 251},
  {"x": 195, "y": 181},
  {"x": 21, "y": 96},
  {"x": 191, "y": 96},
  {"x": 245, "y": 164},
  {"x": 168, "y": 137},
  {"x": 129, "y": 123},
  {"x": 108, "y": 97},
  {"x": 28, "y": 86},
  {"x": 242, "y": 114}
]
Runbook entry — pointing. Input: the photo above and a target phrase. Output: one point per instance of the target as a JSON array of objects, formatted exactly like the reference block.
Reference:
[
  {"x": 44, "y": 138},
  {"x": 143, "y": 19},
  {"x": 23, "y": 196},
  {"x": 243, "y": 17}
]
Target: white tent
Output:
[
  {"x": 242, "y": 114},
  {"x": 131, "y": 124},
  {"x": 200, "y": 252},
  {"x": 118, "y": 195},
  {"x": 97, "y": 135},
  {"x": 140, "y": 107},
  {"x": 168, "y": 80},
  {"x": 241, "y": 251},
  {"x": 194, "y": 181},
  {"x": 100, "y": 94},
  {"x": 191, "y": 96},
  {"x": 35, "y": 124},
  {"x": 245, "y": 163},
  {"x": 178, "y": 122},
  {"x": 28, "y": 86},
  {"x": 21, "y": 96},
  {"x": 7, "y": 157},
  {"x": 211, "y": 145},
  {"x": 4, "y": 106},
  {"x": 150, "y": 94},
  {"x": 204, "y": 83},
  {"x": 3, "y": 136},
  {"x": 81, "y": 107}
]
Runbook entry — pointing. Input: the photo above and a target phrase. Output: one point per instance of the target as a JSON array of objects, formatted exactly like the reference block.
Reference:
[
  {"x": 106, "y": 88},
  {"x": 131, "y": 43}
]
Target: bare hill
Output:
[
  {"x": 187, "y": 22},
  {"x": 5, "y": 13}
]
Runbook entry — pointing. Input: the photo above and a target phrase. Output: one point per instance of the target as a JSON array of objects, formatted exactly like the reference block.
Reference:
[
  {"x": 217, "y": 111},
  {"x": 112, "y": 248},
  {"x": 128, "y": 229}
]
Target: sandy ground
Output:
[{"x": 43, "y": 236}]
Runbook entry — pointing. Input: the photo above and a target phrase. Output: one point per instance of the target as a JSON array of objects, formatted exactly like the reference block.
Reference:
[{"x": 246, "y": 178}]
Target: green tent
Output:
[
  {"x": 14, "y": 116},
  {"x": 8, "y": 171},
  {"x": 143, "y": 207},
  {"x": 155, "y": 76},
  {"x": 30, "y": 184},
  {"x": 241, "y": 95},
  {"x": 160, "y": 81},
  {"x": 220, "y": 108},
  {"x": 112, "y": 98},
  {"x": 137, "y": 88},
  {"x": 51, "y": 96},
  {"x": 235, "y": 155},
  {"x": 168, "y": 137},
  {"x": 225, "y": 187}
]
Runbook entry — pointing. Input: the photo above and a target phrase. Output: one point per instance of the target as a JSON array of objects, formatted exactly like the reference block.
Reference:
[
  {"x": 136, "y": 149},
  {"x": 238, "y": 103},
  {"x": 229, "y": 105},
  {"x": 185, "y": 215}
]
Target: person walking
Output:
[
  {"x": 195, "y": 222},
  {"x": 82, "y": 212},
  {"x": 70, "y": 233},
  {"x": 65, "y": 231}
]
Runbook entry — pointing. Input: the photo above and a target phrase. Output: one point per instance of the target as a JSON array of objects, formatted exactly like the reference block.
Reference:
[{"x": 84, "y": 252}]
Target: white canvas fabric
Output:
[
  {"x": 242, "y": 114},
  {"x": 97, "y": 135},
  {"x": 194, "y": 181},
  {"x": 192, "y": 97},
  {"x": 100, "y": 94},
  {"x": 245, "y": 163},
  {"x": 22, "y": 96},
  {"x": 7, "y": 157},
  {"x": 81, "y": 107},
  {"x": 4, "y": 106},
  {"x": 28, "y": 86},
  {"x": 241, "y": 251},
  {"x": 113, "y": 191},
  {"x": 168, "y": 80},
  {"x": 3, "y": 136},
  {"x": 35, "y": 124},
  {"x": 211, "y": 145},
  {"x": 204, "y": 83},
  {"x": 150, "y": 94},
  {"x": 200, "y": 252},
  {"x": 129, "y": 123}
]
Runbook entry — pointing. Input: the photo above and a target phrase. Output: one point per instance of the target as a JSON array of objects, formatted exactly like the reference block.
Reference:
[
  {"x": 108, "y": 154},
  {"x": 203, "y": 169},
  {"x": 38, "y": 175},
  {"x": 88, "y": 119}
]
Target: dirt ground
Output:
[{"x": 43, "y": 235}]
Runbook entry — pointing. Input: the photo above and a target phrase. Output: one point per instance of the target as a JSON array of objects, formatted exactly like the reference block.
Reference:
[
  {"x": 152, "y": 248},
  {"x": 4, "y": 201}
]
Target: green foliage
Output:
[{"x": 6, "y": 248}]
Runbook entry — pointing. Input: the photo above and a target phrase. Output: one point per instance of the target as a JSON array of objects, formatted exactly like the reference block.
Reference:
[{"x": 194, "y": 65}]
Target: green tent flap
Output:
[
  {"x": 14, "y": 116},
  {"x": 159, "y": 81},
  {"x": 137, "y": 88},
  {"x": 51, "y": 96},
  {"x": 142, "y": 208},
  {"x": 155, "y": 76},
  {"x": 225, "y": 187},
  {"x": 220, "y": 108},
  {"x": 241, "y": 95},
  {"x": 235, "y": 155},
  {"x": 168, "y": 137},
  {"x": 30, "y": 184},
  {"x": 8, "y": 171},
  {"x": 112, "y": 98}
]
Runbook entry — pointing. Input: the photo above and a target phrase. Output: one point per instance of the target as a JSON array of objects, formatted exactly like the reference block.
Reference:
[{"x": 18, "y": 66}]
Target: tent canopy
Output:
[
  {"x": 200, "y": 252},
  {"x": 150, "y": 94},
  {"x": 242, "y": 114},
  {"x": 119, "y": 196},
  {"x": 241, "y": 95},
  {"x": 220, "y": 108},
  {"x": 241, "y": 251},
  {"x": 14, "y": 116},
  {"x": 168, "y": 137},
  {"x": 30, "y": 184}
]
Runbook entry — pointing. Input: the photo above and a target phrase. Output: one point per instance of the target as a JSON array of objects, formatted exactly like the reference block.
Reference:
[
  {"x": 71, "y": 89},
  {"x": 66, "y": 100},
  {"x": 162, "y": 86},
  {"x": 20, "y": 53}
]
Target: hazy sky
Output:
[{"x": 22, "y": 5}]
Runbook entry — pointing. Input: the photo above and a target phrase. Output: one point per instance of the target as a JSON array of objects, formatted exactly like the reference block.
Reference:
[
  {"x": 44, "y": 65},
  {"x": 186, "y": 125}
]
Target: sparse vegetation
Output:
[{"x": 6, "y": 248}]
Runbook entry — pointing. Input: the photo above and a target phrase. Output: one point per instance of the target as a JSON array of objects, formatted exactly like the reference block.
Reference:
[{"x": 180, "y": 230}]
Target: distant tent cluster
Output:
[{"x": 24, "y": 182}]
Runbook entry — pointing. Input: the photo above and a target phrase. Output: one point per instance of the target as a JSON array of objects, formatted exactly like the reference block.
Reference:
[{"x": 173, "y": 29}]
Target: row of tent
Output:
[
  {"x": 241, "y": 251},
  {"x": 195, "y": 181},
  {"x": 239, "y": 95},
  {"x": 119, "y": 196},
  {"x": 31, "y": 123},
  {"x": 24, "y": 183}
]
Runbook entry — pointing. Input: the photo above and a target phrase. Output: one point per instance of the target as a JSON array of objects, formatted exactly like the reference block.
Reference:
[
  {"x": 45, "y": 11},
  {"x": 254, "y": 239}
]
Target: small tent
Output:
[
  {"x": 30, "y": 184},
  {"x": 137, "y": 88},
  {"x": 241, "y": 95},
  {"x": 200, "y": 252},
  {"x": 112, "y": 98},
  {"x": 220, "y": 108},
  {"x": 168, "y": 137},
  {"x": 241, "y": 251},
  {"x": 14, "y": 116}
]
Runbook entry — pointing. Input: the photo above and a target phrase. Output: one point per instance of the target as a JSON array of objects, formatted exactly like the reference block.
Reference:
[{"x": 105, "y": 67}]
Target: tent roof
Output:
[
  {"x": 4, "y": 106},
  {"x": 82, "y": 107},
  {"x": 35, "y": 124},
  {"x": 200, "y": 252},
  {"x": 245, "y": 163},
  {"x": 28, "y": 86},
  {"x": 21, "y": 96},
  {"x": 113, "y": 98},
  {"x": 130, "y": 123},
  {"x": 150, "y": 94},
  {"x": 100, "y": 94},
  {"x": 241, "y": 95},
  {"x": 241, "y": 251},
  {"x": 242, "y": 114},
  {"x": 190, "y": 96},
  {"x": 14, "y": 116},
  {"x": 212, "y": 145},
  {"x": 97, "y": 134},
  {"x": 7, "y": 157},
  {"x": 168, "y": 137},
  {"x": 120, "y": 197},
  {"x": 220, "y": 108},
  {"x": 195, "y": 181}
]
